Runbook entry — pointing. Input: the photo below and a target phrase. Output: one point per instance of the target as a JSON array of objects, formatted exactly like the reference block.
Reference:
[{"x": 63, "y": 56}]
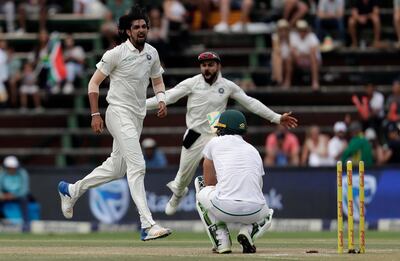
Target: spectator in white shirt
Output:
[
  {"x": 89, "y": 7},
  {"x": 315, "y": 148},
  {"x": 305, "y": 51},
  {"x": 29, "y": 87},
  {"x": 8, "y": 9},
  {"x": 74, "y": 57},
  {"x": 338, "y": 143},
  {"x": 281, "y": 58}
]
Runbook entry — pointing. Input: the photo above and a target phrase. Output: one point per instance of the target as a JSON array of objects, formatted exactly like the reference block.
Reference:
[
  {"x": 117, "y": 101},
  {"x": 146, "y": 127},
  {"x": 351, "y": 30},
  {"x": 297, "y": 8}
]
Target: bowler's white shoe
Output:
[
  {"x": 244, "y": 238},
  {"x": 154, "y": 232},
  {"x": 67, "y": 202},
  {"x": 173, "y": 203}
]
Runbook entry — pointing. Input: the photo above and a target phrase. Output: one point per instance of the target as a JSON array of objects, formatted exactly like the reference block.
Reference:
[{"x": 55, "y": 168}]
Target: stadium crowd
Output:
[{"x": 300, "y": 31}]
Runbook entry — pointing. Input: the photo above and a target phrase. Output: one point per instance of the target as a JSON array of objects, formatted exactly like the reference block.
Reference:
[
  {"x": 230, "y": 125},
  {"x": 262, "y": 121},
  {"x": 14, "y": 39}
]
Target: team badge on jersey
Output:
[
  {"x": 148, "y": 57},
  {"x": 221, "y": 90}
]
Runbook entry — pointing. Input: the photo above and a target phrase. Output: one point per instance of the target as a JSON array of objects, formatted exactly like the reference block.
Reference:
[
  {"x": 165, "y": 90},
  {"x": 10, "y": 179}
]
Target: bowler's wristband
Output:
[{"x": 95, "y": 114}]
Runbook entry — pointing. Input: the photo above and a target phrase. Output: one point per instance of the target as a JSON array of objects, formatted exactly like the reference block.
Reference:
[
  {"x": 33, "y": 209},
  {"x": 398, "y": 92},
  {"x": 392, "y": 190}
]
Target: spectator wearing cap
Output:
[
  {"x": 330, "y": 16},
  {"x": 393, "y": 141},
  {"x": 380, "y": 153},
  {"x": 359, "y": 148},
  {"x": 305, "y": 51},
  {"x": 153, "y": 156},
  {"x": 363, "y": 13},
  {"x": 281, "y": 58},
  {"x": 14, "y": 185},
  {"x": 338, "y": 143},
  {"x": 282, "y": 148}
]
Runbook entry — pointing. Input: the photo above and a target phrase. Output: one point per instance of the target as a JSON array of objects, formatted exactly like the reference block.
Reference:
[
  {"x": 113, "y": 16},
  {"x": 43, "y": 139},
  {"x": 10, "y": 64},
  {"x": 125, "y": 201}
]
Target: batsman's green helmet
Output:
[{"x": 232, "y": 122}]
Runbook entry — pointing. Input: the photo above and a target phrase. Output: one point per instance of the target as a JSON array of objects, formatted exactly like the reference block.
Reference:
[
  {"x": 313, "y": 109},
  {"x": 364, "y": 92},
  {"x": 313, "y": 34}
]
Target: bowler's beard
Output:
[
  {"x": 138, "y": 43},
  {"x": 211, "y": 79}
]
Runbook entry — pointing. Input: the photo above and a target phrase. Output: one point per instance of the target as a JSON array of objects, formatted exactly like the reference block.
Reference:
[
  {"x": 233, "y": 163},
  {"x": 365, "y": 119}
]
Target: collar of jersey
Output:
[
  {"x": 132, "y": 47},
  {"x": 219, "y": 77}
]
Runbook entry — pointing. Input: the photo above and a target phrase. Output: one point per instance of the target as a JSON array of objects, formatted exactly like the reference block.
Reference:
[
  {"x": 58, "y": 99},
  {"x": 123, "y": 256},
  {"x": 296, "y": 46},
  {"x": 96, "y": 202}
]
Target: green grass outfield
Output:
[{"x": 381, "y": 246}]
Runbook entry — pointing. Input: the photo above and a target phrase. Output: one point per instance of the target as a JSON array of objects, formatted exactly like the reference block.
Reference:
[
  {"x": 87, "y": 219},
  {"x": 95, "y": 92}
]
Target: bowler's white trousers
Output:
[
  {"x": 189, "y": 161},
  {"x": 126, "y": 157}
]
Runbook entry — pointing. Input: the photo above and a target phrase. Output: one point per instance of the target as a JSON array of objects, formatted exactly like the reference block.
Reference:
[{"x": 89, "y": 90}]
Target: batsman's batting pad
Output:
[
  {"x": 261, "y": 227},
  {"x": 207, "y": 223}
]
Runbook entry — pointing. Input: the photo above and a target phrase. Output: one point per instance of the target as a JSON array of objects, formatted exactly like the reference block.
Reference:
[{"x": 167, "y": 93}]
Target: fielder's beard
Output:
[{"x": 212, "y": 79}]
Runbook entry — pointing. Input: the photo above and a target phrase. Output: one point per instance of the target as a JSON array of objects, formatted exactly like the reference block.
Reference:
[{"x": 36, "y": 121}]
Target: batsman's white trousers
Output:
[
  {"x": 231, "y": 211},
  {"x": 189, "y": 161},
  {"x": 126, "y": 157}
]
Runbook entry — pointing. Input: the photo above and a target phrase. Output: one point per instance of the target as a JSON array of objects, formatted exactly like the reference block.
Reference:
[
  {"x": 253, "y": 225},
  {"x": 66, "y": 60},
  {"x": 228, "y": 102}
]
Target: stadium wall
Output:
[{"x": 303, "y": 199}]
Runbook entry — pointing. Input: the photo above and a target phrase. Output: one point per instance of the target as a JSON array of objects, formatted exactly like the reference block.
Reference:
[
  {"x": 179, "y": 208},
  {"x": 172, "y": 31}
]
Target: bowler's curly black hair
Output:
[{"x": 125, "y": 21}]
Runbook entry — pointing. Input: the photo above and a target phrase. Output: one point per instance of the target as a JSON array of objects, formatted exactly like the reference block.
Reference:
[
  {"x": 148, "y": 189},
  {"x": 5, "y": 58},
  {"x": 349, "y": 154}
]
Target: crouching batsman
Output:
[{"x": 230, "y": 190}]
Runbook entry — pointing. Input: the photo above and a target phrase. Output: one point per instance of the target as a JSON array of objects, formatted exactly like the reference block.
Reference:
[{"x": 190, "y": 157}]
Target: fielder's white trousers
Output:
[
  {"x": 231, "y": 211},
  {"x": 189, "y": 161},
  {"x": 126, "y": 157}
]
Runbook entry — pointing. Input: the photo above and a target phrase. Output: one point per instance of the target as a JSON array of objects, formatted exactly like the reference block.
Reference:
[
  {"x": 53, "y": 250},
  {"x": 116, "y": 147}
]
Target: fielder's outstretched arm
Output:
[
  {"x": 172, "y": 95},
  {"x": 257, "y": 107}
]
